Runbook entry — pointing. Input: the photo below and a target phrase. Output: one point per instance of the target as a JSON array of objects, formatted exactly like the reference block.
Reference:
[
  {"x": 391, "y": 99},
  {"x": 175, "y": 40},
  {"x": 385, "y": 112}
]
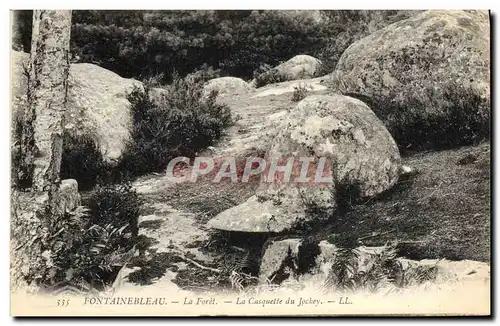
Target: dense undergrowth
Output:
[
  {"x": 83, "y": 249},
  {"x": 457, "y": 116}
]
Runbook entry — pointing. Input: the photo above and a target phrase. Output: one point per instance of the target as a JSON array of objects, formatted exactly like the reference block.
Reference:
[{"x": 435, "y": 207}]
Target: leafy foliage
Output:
[
  {"x": 78, "y": 248},
  {"x": 464, "y": 120},
  {"x": 178, "y": 120},
  {"x": 116, "y": 205},
  {"x": 204, "y": 74},
  {"x": 352, "y": 270},
  {"x": 90, "y": 245}
]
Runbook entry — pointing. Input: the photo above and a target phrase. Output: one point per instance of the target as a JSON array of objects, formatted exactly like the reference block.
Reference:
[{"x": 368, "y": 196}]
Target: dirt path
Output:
[
  {"x": 259, "y": 112},
  {"x": 166, "y": 232}
]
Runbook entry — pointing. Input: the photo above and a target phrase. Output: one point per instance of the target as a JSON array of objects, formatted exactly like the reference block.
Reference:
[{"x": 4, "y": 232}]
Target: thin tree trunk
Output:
[{"x": 47, "y": 95}]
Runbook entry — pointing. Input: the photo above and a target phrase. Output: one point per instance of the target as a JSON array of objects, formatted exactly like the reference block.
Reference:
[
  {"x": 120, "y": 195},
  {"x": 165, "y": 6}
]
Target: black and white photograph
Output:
[{"x": 174, "y": 162}]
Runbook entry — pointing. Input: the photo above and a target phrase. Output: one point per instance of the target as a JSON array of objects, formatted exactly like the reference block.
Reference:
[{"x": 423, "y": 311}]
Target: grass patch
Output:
[
  {"x": 442, "y": 212},
  {"x": 206, "y": 198}
]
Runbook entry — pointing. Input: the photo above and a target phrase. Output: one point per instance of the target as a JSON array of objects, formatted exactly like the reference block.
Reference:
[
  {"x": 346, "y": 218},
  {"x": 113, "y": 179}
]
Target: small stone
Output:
[{"x": 274, "y": 257}]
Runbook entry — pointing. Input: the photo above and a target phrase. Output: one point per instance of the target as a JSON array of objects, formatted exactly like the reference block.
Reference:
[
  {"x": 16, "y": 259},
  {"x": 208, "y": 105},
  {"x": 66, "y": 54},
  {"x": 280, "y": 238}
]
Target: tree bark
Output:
[{"x": 47, "y": 96}]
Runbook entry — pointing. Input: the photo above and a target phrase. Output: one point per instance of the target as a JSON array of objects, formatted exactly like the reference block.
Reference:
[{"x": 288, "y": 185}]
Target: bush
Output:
[
  {"x": 82, "y": 160},
  {"x": 459, "y": 116},
  {"x": 351, "y": 273},
  {"x": 86, "y": 248},
  {"x": 270, "y": 77},
  {"x": 116, "y": 205},
  {"x": 181, "y": 122},
  {"x": 204, "y": 74},
  {"x": 263, "y": 68}
]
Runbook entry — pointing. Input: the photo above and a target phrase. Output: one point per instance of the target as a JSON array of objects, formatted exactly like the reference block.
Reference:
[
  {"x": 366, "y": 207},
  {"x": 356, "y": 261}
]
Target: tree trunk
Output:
[
  {"x": 41, "y": 146},
  {"x": 47, "y": 95}
]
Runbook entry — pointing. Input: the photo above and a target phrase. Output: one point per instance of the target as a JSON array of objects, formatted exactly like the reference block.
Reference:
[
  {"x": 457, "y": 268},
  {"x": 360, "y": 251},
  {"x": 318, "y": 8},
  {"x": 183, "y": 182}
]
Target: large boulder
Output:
[
  {"x": 280, "y": 257},
  {"x": 415, "y": 63},
  {"x": 347, "y": 132},
  {"x": 97, "y": 103},
  {"x": 299, "y": 67},
  {"x": 228, "y": 86},
  {"x": 360, "y": 155}
]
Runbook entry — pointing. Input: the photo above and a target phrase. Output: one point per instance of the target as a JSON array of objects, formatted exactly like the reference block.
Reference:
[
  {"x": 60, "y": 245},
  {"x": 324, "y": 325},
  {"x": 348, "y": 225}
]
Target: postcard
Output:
[{"x": 250, "y": 163}]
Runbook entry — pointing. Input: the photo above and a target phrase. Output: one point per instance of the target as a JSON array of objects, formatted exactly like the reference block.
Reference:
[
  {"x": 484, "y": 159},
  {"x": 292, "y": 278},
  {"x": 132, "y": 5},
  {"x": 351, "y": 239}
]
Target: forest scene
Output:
[{"x": 149, "y": 150}]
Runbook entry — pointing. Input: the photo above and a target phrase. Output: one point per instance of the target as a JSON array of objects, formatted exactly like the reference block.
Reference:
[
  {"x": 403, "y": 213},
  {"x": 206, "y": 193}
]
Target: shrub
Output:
[
  {"x": 351, "y": 273},
  {"x": 354, "y": 271},
  {"x": 204, "y": 74},
  {"x": 116, "y": 205},
  {"x": 181, "y": 122},
  {"x": 300, "y": 92},
  {"x": 263, "y": 68},
  {"x": 459, "y": 116},
  {"x": 82, "y": 160},
  {"x": 85, "y": 248},
  {"x": 271, "y": 77}
]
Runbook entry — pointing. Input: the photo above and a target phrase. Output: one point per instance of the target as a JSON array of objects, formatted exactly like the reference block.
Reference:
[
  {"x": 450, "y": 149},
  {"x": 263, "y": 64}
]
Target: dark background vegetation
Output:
[{"x": 146, "y": 43}]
